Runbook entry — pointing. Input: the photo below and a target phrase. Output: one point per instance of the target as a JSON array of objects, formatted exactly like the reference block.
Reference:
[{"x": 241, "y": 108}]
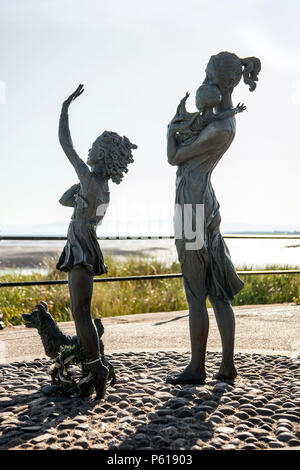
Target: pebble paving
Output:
[{"x": 261, "y": 410}]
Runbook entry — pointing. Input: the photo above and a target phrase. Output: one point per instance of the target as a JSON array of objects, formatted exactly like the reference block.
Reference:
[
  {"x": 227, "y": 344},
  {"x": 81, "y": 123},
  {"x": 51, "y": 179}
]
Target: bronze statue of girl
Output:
[{"x": 82, "y": 257}]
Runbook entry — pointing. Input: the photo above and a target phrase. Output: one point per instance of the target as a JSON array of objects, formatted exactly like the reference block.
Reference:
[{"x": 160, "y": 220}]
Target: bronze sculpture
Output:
[
  {"x": 53, "y": 338},
  {"x": 82, "y": 257},
  {"x": 56, "y": 343},
  {"x": 196, "y": 147}
]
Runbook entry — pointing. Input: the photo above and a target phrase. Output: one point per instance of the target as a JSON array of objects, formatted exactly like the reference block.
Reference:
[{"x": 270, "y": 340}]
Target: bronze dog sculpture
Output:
[{"x": 53, "y": 338}]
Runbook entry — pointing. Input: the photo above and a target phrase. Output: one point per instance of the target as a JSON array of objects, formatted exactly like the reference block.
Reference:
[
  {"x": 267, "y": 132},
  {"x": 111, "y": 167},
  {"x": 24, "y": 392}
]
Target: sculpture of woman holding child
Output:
[
  {"x": 196, "y": 143},
  {"x": 82, "y": 257}
]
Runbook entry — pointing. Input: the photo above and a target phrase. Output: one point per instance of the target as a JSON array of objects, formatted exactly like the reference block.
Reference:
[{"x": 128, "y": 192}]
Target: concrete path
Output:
[{"x": 266, "y": 329}]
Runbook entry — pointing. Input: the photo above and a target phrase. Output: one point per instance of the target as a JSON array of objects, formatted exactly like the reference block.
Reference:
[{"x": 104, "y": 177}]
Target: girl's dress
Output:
[{"x": 82, "y": 247}]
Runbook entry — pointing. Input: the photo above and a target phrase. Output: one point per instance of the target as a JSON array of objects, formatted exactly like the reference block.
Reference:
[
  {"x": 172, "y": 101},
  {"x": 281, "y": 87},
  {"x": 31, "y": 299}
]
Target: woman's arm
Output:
[
  {"x": 177, "y": 126},
  {"x": 68, "y": 198},
  {"x": 210, "y": 138},
  {"x": 65, "y": 140}
]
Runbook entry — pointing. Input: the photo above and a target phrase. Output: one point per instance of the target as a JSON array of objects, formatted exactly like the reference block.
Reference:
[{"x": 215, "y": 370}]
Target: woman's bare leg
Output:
[
  {"x": 194, "y": 284},
  {"x": 199, "y": 324},
  {"x": 226, "y": 324}
]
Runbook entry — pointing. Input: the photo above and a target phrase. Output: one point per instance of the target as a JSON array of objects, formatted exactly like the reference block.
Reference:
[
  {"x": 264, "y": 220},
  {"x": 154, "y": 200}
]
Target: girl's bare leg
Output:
[
  {"x": 81, "y": 288},
  {"x": 71, "y": 306}
]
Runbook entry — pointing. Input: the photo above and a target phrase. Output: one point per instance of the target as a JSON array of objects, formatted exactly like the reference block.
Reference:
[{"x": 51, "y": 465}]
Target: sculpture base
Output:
[{"x": 260, "y": 411}]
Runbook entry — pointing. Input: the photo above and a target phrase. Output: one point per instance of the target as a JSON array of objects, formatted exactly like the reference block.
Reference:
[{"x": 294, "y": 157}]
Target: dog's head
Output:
[{"x": 37, "y": 316}]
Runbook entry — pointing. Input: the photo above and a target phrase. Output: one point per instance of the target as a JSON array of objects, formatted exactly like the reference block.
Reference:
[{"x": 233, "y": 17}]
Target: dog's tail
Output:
[{"x": 99, "y": 326}]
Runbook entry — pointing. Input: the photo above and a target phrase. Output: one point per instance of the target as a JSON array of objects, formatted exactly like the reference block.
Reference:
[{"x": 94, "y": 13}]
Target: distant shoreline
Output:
[
  {"x": 34, "y": 258},
  {"x": 24, "y": 255},
  {"x": 29, "y": 254},
  {"x": 58, "y": 236}
]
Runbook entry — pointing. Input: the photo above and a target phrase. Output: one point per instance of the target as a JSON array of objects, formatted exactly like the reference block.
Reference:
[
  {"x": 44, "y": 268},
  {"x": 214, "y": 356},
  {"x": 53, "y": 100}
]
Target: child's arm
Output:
[
  {"x": 181, "y": 109},
  {"x": 65, "y": 140},
  {"x": 68, "y": 198},
  {"x": 231, "y": 112}
]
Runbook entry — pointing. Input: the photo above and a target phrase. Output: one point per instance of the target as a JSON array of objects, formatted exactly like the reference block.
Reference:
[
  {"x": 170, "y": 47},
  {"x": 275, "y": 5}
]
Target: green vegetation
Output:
[{"x": 129, "y": 297}]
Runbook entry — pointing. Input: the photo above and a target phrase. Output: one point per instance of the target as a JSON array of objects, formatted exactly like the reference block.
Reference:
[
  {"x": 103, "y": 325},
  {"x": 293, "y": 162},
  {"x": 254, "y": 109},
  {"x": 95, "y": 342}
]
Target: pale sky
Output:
[{"x": 137, "y": 59}]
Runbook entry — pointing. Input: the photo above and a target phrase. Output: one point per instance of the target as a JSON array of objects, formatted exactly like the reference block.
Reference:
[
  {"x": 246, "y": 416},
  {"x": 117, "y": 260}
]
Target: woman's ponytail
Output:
[{"x": 251, "y": 68}]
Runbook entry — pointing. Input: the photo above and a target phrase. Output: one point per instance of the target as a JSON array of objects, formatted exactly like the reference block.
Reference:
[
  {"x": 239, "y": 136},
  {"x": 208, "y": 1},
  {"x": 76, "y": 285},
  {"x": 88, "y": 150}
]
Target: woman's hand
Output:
[{"x": 74, "y": 95}]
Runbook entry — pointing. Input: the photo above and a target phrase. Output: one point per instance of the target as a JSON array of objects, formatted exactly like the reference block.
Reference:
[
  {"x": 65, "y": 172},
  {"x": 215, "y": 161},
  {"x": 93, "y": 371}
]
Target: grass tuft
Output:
[{"x": 130, "y": 297}]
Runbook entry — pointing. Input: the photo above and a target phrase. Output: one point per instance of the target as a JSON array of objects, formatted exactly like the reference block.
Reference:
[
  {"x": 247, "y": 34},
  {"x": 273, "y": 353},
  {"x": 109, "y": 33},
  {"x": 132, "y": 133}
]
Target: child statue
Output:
[
  {"x": 207, "y": 98},
  {"x": 82, "y": 258}
]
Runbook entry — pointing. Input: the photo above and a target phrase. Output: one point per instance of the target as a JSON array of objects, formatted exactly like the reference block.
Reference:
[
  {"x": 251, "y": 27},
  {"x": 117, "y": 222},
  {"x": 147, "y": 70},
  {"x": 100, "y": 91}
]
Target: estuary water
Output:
[{"x": 27, "y": 256}]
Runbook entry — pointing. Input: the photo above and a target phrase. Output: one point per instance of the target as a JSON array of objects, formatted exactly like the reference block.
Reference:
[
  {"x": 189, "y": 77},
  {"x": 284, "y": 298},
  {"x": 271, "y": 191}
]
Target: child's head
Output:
[
  {"x": 112, "y": 153},
  {"x": 207, "y": 97}
]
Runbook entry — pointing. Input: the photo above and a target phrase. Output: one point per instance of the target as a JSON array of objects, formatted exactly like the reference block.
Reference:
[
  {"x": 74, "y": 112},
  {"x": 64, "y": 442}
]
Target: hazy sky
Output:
[{"x": 137, "y": 59}]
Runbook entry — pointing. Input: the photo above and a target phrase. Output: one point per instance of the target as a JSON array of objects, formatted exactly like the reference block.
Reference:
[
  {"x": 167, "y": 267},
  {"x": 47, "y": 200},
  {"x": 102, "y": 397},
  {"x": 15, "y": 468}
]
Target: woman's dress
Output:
[
  {"x": 209, "y": 268},
  {"x": 82, "y": 247}
]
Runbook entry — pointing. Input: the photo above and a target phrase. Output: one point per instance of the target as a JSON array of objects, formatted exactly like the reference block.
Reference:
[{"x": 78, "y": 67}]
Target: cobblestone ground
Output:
[{"x": 260, "y": 411}]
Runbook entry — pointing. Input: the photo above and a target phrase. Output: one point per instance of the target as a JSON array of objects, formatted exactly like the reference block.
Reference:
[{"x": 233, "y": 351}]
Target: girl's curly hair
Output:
[{"x": 115, "y": 151}]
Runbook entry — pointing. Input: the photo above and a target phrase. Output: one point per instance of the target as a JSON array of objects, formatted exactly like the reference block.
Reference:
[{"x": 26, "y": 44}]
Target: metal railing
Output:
[
  {"x": 150, "y": 237},
  {"x": 150, "y": 276}
]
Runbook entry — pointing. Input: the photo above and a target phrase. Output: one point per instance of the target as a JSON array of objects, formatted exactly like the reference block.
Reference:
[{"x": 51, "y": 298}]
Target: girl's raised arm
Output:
[{"x": 65, "y": 140}]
